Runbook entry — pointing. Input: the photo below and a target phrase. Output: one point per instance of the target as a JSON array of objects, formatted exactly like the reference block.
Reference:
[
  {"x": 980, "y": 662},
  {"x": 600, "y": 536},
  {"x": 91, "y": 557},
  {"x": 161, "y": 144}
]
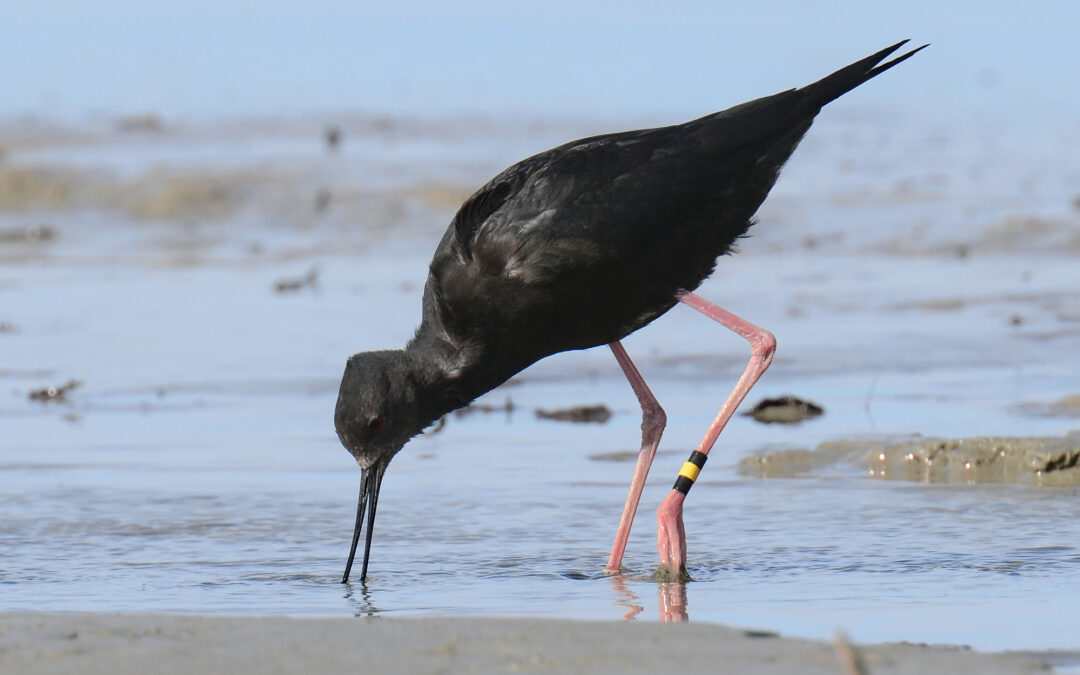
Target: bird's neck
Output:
[{"x": 454, "y": 374}]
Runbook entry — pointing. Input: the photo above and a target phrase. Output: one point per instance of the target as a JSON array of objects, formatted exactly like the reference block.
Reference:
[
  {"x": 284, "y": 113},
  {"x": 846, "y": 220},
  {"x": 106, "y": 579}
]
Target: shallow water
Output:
[{"x": 196, "y": 469}]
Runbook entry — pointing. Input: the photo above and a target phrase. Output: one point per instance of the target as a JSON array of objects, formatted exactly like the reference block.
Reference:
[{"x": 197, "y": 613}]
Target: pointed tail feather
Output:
[{"x": 844, "y": 80}]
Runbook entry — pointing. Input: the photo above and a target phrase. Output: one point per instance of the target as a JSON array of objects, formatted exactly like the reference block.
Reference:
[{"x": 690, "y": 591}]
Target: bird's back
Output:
[{"x": 584, "y": 243}]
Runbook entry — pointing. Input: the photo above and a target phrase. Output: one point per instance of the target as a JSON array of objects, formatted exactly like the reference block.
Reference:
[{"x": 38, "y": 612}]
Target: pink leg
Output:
[
  {"x": 653, "y": 420},
  {"x": 670, "y": 534}
]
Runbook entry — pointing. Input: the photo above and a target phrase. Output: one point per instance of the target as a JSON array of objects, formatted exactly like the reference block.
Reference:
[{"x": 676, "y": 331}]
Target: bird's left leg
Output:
[
  {"x": 653, "y": 420},
  {"x": 670, "y": 534}
]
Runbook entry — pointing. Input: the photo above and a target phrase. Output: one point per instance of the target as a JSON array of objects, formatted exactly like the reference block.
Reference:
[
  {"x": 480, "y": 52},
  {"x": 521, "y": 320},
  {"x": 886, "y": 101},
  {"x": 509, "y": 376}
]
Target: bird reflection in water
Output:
[
  {"x": 624, "y": 597},
  {"x": 362, "y": 604},
  {"x": 670, "y": 596}
]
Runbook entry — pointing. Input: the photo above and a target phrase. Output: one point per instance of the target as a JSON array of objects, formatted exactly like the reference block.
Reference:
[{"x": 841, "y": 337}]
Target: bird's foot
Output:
[
  {"x": 671, "y": 539},
  {"x": 667, "y": 575}
]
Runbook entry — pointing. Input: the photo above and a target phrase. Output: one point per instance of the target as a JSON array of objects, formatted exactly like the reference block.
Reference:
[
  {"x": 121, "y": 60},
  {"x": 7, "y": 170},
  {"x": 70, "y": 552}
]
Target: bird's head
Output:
[
  {"x": 377, "y": 411},
  {"x": 380, "y": 406}
]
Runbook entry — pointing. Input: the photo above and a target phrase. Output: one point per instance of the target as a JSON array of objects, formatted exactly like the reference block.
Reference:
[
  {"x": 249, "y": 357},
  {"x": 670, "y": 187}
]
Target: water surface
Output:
[{"x": 920, "y": 278}]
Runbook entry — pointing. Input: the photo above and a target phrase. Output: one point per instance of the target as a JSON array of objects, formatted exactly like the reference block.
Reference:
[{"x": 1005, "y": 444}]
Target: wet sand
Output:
[
  {"x": 1042, "y": 461},
  {"x": 147, "y": 643}
]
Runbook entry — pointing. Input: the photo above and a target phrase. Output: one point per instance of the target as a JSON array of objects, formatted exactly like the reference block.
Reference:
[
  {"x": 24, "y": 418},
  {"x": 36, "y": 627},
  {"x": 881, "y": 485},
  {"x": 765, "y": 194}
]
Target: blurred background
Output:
[
  {"x": 566, "y": 59},
  {"x": 205, "y": 207}
]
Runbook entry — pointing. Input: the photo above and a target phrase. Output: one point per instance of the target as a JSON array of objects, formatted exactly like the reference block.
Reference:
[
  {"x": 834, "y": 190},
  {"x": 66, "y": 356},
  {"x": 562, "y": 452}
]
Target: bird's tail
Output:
[{"x": 844, "y": 80}]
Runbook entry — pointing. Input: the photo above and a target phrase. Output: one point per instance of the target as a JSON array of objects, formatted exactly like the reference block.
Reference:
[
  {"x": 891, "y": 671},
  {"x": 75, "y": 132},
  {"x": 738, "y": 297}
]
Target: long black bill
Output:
[{"x": 370, "y": 481}]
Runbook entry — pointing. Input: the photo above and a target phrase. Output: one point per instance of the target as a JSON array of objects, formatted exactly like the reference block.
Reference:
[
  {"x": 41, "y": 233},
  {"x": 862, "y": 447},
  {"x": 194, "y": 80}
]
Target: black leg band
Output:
[{"x": 689, "y": 472}]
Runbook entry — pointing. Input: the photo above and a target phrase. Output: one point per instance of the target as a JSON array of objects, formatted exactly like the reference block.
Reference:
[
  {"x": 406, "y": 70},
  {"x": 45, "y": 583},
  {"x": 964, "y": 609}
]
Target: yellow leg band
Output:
[{"x": 690, "y": 470}]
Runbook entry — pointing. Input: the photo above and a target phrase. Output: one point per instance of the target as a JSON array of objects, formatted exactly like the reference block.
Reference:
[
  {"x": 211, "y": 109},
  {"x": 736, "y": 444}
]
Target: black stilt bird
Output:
[{"x": 576, "y": 247}]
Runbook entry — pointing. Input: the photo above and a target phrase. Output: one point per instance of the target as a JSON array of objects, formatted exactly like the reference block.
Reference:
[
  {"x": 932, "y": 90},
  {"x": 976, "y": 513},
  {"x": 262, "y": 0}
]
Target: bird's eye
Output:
[{"x": 376, "y": 424}]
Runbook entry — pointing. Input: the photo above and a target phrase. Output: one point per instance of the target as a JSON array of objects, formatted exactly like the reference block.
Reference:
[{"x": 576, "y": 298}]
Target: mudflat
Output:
[{"x": 119, "y": 644}]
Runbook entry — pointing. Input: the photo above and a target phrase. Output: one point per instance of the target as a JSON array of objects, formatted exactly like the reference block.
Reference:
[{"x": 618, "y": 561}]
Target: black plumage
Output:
[{"x": 572, "y": 248}]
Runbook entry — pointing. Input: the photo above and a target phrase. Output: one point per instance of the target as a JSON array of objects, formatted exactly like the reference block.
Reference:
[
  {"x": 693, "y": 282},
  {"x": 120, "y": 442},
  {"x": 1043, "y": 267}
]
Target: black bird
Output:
[{"x": 576, "y": 247}]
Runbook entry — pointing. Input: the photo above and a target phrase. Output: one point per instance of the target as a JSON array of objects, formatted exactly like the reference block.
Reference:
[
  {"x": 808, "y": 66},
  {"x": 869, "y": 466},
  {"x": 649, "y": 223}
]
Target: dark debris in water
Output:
[
  {"x": 785, "y": 410},
  {"x": 1068, "y": 406},
  {"x": 54, "y": 394},
  {"x": 598, "y": 414},
  {"x": 481, "y": 408},
  {"x": 291, "y": 285},
  {"x": 486, "y": 408},
  {"x": 37, "y": 232},
  {"x": 145, "y": 123},
  {"x": 616, "y": 456},
  {"x": 629, "y": 455},
  {"x": 332, "y": 135}
]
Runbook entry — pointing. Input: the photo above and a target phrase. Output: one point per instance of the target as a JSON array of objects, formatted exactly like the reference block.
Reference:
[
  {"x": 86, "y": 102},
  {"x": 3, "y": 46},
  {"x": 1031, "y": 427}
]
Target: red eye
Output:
[{"x": 376, "y": 425}]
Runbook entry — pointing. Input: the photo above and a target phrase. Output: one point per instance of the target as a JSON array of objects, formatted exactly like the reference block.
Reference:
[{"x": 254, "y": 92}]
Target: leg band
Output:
[{"x": 689, "y": 472}]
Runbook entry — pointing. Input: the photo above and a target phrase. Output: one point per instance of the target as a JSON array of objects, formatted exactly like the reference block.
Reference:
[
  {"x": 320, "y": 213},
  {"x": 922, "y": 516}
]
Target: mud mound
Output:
[{"x": 1034, "y": 460}]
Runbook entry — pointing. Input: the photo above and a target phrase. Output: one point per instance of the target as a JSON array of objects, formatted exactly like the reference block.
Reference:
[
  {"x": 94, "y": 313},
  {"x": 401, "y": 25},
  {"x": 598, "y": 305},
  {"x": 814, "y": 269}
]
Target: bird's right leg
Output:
[
  {"x": 670, "y": 534},
  {"x": 653, "y": 421}
]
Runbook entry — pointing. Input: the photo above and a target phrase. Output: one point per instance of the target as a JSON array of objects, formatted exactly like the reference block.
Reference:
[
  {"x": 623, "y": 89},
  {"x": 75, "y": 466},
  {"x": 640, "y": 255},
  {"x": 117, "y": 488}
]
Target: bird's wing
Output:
[
  {"x": 528, "y": 198},
  {"x": 481, "y": 205},
  {"x": 650, "y": 176}
]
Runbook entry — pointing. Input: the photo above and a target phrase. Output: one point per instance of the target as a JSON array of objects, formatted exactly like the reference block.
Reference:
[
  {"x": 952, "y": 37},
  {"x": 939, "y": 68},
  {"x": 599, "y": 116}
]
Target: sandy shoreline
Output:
[{"x": 55, "y": 643}]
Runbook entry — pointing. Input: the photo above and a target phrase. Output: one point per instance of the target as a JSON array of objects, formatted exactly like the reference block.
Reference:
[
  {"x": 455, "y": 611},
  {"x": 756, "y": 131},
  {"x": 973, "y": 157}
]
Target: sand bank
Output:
[
  {"x": 139, "y": 643},
  {"x": 1031, "y": 460}
]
